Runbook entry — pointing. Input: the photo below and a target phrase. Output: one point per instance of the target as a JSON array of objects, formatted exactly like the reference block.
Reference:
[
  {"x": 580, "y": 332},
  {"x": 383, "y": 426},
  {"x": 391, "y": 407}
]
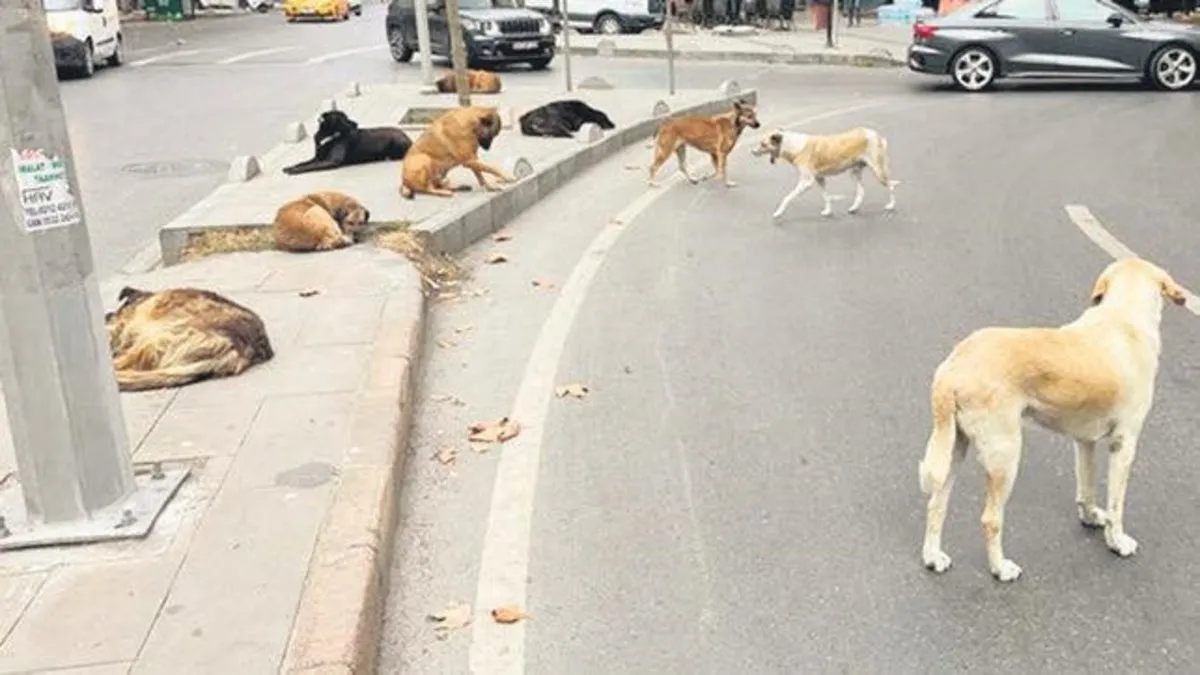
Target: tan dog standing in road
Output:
[
  {"x": 715, "y": 136},
  {"x": 817, "y": 157},
  {"x": 479, "y": 81},
  {"x": 452, "y": 140},
  {"x": 177, "y": 336},
  {"x": 319, "y": 221},
  {"x": 1091, "y": 380}
]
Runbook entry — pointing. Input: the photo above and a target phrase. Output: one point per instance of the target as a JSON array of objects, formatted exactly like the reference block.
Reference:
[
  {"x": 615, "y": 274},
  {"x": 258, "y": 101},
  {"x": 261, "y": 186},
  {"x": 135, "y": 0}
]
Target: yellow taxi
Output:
[{"x": 338, "y": 10}]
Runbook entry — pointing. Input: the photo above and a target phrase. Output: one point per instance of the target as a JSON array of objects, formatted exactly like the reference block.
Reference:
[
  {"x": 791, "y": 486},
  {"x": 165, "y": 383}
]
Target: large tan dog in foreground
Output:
[
  {"x": 1091, "y": 380},
  {"x": 714, "y": 136},
  {"x": 319, "y": 221},
  {"x": 452, "y": 140},
  {"x": 177, "y": 336}
]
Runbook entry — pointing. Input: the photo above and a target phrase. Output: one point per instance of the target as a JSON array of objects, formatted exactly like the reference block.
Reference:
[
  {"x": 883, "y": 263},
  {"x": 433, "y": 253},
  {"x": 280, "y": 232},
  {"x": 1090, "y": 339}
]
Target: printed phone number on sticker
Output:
[{"x": 50, "y": 215}]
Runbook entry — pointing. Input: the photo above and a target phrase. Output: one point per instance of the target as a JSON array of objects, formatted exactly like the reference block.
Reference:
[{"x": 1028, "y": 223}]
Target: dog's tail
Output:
[
  {"x": 885, "y": 162},
  {"x": 175, "y": 376},
  {"x": 934, "y": 468}
]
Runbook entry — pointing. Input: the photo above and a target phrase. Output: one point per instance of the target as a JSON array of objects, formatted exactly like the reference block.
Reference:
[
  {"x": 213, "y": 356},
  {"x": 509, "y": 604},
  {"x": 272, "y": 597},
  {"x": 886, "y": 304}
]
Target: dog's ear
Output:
[
  {"x": 339, "y": 213},
  {"x": 366, "y": 215},
  {"x": 1173, "y": 291},
  {"x": 129, "y": 292},
  {"x": 738, "y": 104},
  {"x": 333, "y": 105},
  {"x": 488, "y": 128},
  {"x": 776, "y": 138},
  {"x": 1099, "y": 289}
]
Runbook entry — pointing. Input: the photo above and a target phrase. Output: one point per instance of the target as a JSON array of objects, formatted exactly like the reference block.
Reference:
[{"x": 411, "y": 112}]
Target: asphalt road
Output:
[{"x": 738, "y": 493}]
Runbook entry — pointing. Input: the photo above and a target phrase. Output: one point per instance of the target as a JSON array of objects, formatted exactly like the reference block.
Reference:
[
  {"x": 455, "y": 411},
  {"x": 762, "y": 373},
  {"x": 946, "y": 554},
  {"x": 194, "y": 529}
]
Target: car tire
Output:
[
  {"x": 539, "y": 64},
  {"x": 88, "y": 68},
  {"x": 973, "y": 69},
  {"x": 118, "y": 56},
  {"x": 358, "y": 11},
  {"x": 1173, "y": 68},
  {"x": 608, "y": 24},
  {"x": 400, "y": 50}
]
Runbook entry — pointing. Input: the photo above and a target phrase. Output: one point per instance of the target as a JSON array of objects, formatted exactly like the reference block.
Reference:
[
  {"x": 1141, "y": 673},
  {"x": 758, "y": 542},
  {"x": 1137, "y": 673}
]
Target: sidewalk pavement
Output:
[
  {"x": 278, "y": 530},
  {"x": 869, "y": 45}
]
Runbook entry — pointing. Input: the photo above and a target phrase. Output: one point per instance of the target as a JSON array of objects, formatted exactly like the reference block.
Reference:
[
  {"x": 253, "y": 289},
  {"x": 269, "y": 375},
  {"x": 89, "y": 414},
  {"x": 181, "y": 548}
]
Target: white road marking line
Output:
[
  {"x": 1093, "y": 229},
  {"x": 251, "y": 55},
  {"x": 345, "y": 52},
  {"x": 504, "y": 564},
  {"x": 164, "y": 57}
]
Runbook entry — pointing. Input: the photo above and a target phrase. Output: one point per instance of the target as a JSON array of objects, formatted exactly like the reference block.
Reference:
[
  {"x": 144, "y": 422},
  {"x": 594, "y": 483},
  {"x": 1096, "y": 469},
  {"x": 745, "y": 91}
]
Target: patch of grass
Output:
[
  {"x": 439, "y": 272},
  {"x": 227, "y": 240}
]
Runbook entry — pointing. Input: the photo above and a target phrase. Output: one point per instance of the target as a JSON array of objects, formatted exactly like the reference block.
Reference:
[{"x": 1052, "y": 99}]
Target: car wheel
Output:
[
  {"x": 1173, "y": 68},
  {"x": 118, "y": 55},
  {"x": 608, "y": 24},
  {"x": 973, "y": 69},
  {"x": 539, "y": 64},
  {"x": 89, "y": 61},
  {"x": 358, "y": 11},
  {"x": 400, "y": 51}
]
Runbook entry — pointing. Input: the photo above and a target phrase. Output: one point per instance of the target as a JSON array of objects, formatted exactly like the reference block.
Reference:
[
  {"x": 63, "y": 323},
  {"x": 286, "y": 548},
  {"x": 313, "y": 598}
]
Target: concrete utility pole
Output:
[
  {"x": 458, "y": 53},
  {"x": 566, "y": 34},
  {"x": 64, "y": 413},
  {"x": 669, "y": 32},
  {"x": 422, "y": 17}
]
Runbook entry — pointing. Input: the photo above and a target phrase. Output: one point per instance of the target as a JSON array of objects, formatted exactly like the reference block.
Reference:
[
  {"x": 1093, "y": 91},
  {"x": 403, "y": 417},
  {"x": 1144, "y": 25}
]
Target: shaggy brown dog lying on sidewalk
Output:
[
  {"x": 479, "y": 81},
  {"x": 319, "y": 221},
  {"x": 452, "y": 140},
  {"x": 178, "y": 336}
]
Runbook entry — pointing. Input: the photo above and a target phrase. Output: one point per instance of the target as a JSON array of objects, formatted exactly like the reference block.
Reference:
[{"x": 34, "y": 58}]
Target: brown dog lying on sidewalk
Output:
[
  {"x": 319, "y": 221},
  {"x": 1091, "y": 380},
  {"x": 479, "y": 81},
  {"x": 177, "y": 336},
  {"x": 715, "y": 136},
  {"x": 452, "y": 140}
]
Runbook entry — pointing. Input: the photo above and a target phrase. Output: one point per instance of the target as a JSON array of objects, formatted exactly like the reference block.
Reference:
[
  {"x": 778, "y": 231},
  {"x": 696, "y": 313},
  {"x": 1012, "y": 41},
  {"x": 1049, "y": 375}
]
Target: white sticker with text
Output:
[{"x": 46, "y": 199}]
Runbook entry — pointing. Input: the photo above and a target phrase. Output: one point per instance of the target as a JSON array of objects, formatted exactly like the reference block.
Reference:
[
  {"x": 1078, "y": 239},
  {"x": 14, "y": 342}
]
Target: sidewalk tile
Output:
[
  {"x": 121, "y": 668},
  {"x": 184, "y": 433},
  {"x": 289, "y": 434},
  {"x": 319, "y": 370},
  {"x": 142, "y": 410},
  {"x": 340, "y": 320},
  {"x": 16, "y": 592}
]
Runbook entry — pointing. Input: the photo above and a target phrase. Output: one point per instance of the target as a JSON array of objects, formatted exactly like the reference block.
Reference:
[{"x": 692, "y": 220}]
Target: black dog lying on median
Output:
[
  {"x": 340, "y": 142},
  {"x": 561, "y": 119}
]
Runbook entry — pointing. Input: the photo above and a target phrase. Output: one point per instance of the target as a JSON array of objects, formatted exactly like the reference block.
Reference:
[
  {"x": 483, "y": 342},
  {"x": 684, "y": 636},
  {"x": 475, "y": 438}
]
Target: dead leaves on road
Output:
[
  {"x": 508, "y": 614},
  {"x": 495, "y": 258},
  {"x": 456, "y": 615},
  {"x": 499, "y": 431},
  {"x": 574, "y": 390}
]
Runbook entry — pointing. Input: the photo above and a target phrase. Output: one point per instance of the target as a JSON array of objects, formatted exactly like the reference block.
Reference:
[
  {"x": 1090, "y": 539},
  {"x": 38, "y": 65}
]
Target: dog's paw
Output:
[
  {"x": 1007, "y": 571},
  {"x": 730, "y": 184},
  {"x": 651, "y": 183},
  {"x": 1122, "y": 544},
  {"x": 937, "y": 561},
  {"x": 852, "y": 209},
  {"x": 1092, "y": 516},
  {"x": 889, "y": 207},
  {"x": 827, "y": 213}
]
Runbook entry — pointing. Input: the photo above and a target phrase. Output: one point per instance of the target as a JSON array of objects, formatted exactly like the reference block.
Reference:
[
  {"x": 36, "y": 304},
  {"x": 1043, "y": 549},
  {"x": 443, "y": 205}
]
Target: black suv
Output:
[{"x": 492, "y": 32}]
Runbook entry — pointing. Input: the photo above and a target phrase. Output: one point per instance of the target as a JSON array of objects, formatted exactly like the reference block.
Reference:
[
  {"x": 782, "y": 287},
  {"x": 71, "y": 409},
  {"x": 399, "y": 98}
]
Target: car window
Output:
[
  {"x": 1083, "y": 10},
  {"x": 1014, "y": 9}
]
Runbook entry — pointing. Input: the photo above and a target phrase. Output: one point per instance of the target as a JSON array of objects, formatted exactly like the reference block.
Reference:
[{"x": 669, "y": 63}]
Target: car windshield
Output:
[
  {"x": 486, "y": 4},
  {"x": 61, "y": 5}
]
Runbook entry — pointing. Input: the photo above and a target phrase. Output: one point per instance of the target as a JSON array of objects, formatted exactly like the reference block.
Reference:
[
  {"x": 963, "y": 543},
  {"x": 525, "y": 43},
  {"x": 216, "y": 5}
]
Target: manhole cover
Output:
[{"x": 183, "y": 167}]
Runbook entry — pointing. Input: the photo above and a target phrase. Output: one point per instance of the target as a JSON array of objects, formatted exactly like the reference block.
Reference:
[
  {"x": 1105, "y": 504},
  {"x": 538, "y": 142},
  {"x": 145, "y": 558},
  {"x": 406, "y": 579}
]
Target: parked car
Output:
[
  {"x": 992, "y": 39},
  {"x": 607, "y": 17},
  {"x": 492, "y": 34},
  {"x": 85, "y": 33},
  {"x": 320, "y": 9}
]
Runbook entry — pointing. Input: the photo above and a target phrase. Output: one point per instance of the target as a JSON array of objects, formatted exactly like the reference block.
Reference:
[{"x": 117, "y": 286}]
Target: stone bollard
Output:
[
  {"x": 519, "y": 168},
  {"x": 589, "y": 133},
  {"x": 606, "y": 48},
  {"x": 294, "y": 132},
  {"x": 661, "y": 109},
  {"x": 730, "y": 88},
  {"x": 354, "y": 90},
  {"x": 593, "y": 82},
  {"x": 243, "y": 168}
]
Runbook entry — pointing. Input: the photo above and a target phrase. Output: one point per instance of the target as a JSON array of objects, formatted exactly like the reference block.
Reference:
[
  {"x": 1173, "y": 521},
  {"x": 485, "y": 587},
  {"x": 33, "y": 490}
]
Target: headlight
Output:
[
  {"x": 543, "y": 26},
  {"x": 490, "y": 28},
  {"x": 471, "y": 25}
]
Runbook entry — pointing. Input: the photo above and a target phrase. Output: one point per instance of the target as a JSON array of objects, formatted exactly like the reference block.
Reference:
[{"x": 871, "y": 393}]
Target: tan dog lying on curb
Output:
[
  {"x": 452, "y": 140},
  {"x": 479, "y": 81},
  {"x": 319, "y": 221},
  {"x": 715, "y": 136},
  {"x": 177, "y": 336},
  {"x": 817, "y": 157},
  {"x": 1091, "y": 380}
]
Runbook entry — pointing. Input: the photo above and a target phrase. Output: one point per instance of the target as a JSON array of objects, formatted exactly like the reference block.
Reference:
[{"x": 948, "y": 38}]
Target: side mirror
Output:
[{"x": 1115, "y": 20}]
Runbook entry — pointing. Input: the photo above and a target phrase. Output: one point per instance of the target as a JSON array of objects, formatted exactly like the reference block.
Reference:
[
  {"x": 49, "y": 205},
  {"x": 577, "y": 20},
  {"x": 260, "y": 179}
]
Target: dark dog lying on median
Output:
[
  {"x": 340, "y": 142},
  {"x": 561, "y": 119}
]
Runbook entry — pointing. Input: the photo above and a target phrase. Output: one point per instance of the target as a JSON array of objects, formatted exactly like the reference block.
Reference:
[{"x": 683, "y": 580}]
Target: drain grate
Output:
[{"x": 176, "y": 168}]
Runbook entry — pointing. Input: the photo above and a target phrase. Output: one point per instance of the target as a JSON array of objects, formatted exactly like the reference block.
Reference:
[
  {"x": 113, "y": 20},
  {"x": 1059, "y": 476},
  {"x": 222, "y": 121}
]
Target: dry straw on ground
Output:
[{"x": 438, "y": 271}]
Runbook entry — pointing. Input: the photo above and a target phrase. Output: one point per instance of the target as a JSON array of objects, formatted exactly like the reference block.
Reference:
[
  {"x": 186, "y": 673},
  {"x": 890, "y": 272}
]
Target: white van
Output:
[
  {"x": 608, "y": 17},
  {"x": 85, "y": 33}
]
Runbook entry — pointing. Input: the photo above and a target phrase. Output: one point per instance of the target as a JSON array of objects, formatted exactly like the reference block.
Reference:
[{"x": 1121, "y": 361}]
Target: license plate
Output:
[{"x": 523, "y": 46}]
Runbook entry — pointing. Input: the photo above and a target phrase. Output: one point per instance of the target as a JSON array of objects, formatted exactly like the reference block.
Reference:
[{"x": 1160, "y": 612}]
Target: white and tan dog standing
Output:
[
  {"x": 1091, "y": 380},
  {"x": 817, "y": 157}
]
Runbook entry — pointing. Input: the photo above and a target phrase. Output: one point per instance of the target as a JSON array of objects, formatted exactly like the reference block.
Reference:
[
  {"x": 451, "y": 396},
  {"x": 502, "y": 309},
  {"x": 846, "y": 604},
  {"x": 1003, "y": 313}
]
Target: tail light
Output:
[{"x": 923, "y": 31}]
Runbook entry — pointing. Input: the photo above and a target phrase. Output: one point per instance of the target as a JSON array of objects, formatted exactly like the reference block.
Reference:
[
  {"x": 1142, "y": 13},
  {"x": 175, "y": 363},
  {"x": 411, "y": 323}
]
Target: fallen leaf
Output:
[
  {"x": 481, "y": 448},
  {"x": 499, "y": 431},
  {"x": 447, "y": 398},
  {"x": 632, "y": 167},
  {"x": 508, "y": 614},
  {"x": 446, "y": 455},
  {"x": 446, "y": 342},
  {"x": 628, "y": 370},
  {"x": 501, "y": 236},
  {"x": 454, "y": 616},
  {"x": 495, "y": 258},
  {"x": 539, "y": 283},
  {"x": 578, "y": 390},
  {"x": 309, "y": 293},
  {"x": 463, "y": 329}
]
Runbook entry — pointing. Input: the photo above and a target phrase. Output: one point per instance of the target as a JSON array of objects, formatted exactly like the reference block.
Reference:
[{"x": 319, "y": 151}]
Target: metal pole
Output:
[
  {"x": 422, "y": 17},
  {"x": 668, "y": 31},
  {"x": 829, "y": 26},
  {"x": 566, "y": 34},
  {"x": 833, "y": 15},
  {"x": 458, "y": 53},
  {"x": 56, "y": 371}
]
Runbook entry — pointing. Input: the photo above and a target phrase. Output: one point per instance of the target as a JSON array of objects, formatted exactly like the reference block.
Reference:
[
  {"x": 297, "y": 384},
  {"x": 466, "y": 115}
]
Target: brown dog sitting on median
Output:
[
  {"x": 319, "y": 221},
  {"x": 178, "y": 336},
  {"x": 479, "y": 81},
  {"x": 452, "y": 140},
  {"x": 714, "y": 136}
]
